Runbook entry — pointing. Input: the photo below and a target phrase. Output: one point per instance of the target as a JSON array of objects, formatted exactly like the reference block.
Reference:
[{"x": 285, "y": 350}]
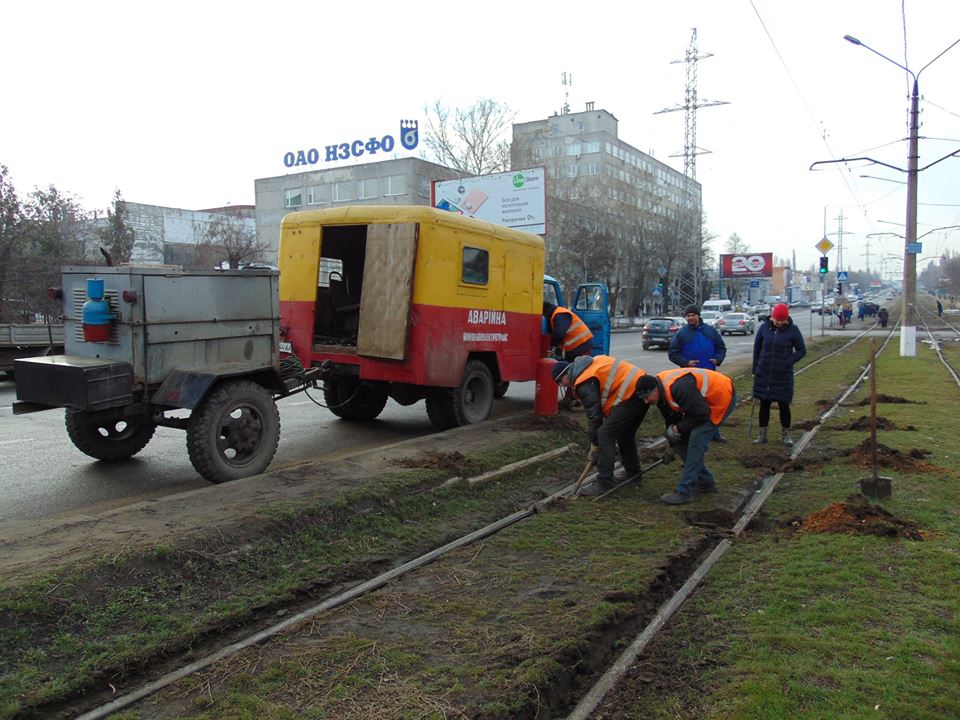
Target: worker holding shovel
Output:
[{"x": 611, "y": 392}]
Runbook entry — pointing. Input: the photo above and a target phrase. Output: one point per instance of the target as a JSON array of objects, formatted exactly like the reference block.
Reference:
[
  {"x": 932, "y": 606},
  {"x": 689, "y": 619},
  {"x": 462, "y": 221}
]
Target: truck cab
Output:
[{"x": 590, "y": 303}]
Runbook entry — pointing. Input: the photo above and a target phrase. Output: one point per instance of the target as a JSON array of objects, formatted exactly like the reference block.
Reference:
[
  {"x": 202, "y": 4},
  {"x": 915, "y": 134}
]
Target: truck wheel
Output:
[
  {"x": 500, "y": 389},
  {"x": 353, "y": 400},
  {"x": 471, "y": 401},
  {"x": 109, "y": 439},
  {"x": 234, "y": 433}
]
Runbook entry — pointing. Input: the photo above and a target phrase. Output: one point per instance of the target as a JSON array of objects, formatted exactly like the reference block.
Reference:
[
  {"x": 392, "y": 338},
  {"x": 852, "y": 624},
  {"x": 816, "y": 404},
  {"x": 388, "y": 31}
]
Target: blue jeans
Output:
[{"x": 693, "y": 448}]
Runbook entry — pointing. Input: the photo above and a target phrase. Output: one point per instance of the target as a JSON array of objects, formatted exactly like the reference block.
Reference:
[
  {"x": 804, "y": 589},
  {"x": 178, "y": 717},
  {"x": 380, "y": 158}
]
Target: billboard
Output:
[
  {"x": 516, "y": 199},
  {"x": 746, "y": 265}
]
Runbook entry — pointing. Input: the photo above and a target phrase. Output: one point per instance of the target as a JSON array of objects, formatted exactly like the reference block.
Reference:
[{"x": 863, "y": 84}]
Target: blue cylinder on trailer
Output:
[{"x": 96, "y": 313}]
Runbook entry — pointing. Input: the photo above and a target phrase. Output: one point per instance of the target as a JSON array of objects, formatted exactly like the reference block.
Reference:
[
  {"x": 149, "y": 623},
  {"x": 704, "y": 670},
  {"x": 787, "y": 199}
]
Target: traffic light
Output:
[
  {"x": 839, "y": 288},
  {"x": 824, "y": 265}
]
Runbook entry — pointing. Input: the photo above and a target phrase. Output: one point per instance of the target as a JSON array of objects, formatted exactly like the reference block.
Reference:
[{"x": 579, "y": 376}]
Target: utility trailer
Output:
[{"x": 158, "y": 341}]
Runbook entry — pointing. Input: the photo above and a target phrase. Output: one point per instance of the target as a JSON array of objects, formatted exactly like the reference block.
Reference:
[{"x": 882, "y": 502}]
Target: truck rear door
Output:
[{"x": 590, "y": 304}]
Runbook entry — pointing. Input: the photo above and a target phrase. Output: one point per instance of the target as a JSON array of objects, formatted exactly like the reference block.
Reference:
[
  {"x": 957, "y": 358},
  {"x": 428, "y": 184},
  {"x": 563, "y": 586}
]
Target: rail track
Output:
[{"x": 746, "y": 511}]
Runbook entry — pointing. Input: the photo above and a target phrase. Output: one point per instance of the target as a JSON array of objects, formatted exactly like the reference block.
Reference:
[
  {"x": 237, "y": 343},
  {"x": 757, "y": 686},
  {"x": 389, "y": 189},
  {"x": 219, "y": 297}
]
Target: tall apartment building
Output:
[
  {"x": 600, "y": 188},
  {"x": 401, "y": 181}
]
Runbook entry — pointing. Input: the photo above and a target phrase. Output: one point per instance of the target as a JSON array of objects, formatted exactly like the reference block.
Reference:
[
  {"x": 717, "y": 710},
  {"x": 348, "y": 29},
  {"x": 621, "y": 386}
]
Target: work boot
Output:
[
  {"x": 597, "y": 487},
  {"x": 622, "y": 474},
  {"x": 761, "y": 437},
  {"x": 675, "y": 498},
  {"x": 785, "y": 436}
]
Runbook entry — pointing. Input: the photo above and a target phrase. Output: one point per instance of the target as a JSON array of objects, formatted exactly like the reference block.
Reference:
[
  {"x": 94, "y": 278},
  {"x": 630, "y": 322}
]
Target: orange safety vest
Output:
[
  {"x": 716, "y": 387},
  {"x": 577, "y": 334},
  {"x": 618, "y": 380}
]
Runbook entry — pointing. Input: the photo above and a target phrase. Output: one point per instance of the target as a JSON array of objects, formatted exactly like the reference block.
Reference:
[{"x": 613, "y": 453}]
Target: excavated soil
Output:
[
  {"x": 862, "y": 424},
  {"x": 454, "y": 461},
  {"x": 857, "y": 516},
  {"x": 889, "y": 458},
  {"x": 893, "y": 399}
]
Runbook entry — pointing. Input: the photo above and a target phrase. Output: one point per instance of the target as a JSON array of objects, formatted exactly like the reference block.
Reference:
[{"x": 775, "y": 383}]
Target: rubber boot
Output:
[
  {"x": 785, "y": 436},
  {"x": 761, "y": 437}
]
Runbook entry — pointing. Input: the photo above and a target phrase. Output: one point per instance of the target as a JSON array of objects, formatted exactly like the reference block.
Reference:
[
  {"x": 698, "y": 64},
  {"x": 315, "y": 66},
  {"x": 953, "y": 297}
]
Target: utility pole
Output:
[
  {"x": 689, "y": 225},
  {"x": 566, "y": 81},
  {"x": 867, "y": 255}
]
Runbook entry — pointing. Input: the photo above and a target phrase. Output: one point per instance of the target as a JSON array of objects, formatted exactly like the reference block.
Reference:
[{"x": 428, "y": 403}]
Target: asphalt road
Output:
[{"x": 43, "y": 474}]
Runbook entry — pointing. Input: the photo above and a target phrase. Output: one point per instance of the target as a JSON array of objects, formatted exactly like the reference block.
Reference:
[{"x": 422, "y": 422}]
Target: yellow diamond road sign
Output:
[{"x": 824, "y": 246}]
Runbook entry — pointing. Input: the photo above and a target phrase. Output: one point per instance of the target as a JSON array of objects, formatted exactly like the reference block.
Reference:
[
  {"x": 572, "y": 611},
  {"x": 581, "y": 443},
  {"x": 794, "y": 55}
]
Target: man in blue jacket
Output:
[{"x": 697, "y": 345}]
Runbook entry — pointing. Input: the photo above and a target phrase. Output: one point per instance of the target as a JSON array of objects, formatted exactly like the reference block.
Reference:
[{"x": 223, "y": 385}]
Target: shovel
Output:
[
  {"x": 591, "y": 461},
  {"x": 874, "y": 486}
]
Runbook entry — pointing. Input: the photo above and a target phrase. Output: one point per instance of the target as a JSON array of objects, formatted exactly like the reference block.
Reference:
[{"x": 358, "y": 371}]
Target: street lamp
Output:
[{"x": 908, "y": 332}]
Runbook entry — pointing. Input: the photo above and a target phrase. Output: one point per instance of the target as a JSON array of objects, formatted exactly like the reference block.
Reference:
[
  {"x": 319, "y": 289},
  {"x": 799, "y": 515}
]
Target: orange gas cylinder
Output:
[{"x": 545, "y": 400}]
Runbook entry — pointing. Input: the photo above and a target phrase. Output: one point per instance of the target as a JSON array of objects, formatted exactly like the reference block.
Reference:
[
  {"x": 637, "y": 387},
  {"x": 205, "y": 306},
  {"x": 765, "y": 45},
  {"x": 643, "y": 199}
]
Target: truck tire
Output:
[
  {"x": 109, "y": 440},
  {"x": 354, "y": 400},
  {"x": 500, "y": 389},
  {"x": 471, "y": 401},
  {"x": 234, "y": 432}
]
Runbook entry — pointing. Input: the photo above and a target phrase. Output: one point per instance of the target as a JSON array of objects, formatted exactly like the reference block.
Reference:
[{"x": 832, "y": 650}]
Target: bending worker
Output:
[
  {"x": 611, "y": 392},
  {"x": 569, "y": 335},
  {"x": 694, "y": 403}
]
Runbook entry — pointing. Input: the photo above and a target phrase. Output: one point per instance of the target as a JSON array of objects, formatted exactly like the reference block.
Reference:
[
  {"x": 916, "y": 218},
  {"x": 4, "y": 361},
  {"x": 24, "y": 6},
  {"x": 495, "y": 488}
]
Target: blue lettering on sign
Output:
[{"x": 409, "y": 139}]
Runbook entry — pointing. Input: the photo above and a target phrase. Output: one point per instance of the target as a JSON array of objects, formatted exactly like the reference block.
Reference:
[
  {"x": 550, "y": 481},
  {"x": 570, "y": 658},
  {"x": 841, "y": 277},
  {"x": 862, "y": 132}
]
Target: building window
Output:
[
  {"x": 572, "y": 171},
  {"x": 343, "y": 192},
  {"x": 476, "y": 266},
  {"x": 394, "y": 185},
  {"x": 369, "y": 188},
  {"x": 318, "y": 194},
  {"x": 293, "y": 198}
]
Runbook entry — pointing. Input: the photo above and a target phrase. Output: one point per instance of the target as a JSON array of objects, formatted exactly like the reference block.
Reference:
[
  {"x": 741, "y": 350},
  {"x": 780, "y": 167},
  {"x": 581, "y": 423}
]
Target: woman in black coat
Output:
[{"x": 777, "y": 347}]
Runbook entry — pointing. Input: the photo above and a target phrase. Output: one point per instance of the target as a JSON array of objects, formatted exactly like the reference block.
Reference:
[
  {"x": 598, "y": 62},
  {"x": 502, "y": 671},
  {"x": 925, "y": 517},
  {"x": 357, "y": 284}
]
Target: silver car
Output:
[
  {"x": 710, "y": 317},
  {"x": 736, "y": 323}
]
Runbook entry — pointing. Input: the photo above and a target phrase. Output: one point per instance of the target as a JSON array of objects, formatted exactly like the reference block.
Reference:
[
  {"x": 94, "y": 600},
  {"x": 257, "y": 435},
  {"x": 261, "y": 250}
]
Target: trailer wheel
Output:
[
  {"x": 472, "y": 400},
  {"x": 234, "y": 432},
  {"x": 500, "y": 389},
  {"x": 354, "y": 400},
  {"x": 109, "y": 439}
]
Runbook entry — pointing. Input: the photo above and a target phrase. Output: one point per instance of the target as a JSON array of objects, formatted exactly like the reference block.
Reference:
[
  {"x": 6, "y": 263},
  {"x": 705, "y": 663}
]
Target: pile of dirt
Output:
[
  {"x": 888, "y": 458},
  {"x": 881, "y": 398},
  {"x": 862, "y": 424},
  {"x": 857, "y": 516},
  {"x": 454, "y": 461}
]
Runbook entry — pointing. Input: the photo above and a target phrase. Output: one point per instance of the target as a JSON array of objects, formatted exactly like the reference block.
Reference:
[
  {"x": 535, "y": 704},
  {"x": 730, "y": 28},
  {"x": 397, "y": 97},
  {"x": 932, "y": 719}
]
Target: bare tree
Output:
[
  {"x": 474, "y": 140},
  {"x": 736, "y": 245},
  {"x": 117, "y": 235},
  {"x": 229, "y": 237},
  {"x": 11, "y": 235}
]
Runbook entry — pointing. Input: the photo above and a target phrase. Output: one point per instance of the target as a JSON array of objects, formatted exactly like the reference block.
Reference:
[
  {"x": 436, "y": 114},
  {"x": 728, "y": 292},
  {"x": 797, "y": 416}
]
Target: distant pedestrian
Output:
[
  {"x": 697, "y": 344},
  {"x": 939, "y": 309},
  {"x": 883, "y": 315},
  {"x": 777, "y": 347}
]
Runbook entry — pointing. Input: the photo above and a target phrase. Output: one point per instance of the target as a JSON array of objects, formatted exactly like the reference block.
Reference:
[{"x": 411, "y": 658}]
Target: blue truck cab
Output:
[{"x": 590, "y": 303}]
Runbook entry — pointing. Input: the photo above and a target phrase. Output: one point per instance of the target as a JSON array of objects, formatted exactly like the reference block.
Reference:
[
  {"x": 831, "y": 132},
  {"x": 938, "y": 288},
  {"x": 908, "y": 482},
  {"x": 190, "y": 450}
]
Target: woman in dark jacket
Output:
[{"x": 777, "y": 347}]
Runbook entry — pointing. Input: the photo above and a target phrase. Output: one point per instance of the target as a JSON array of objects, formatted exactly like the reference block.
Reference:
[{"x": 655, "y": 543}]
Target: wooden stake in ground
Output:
[{"x": 874, "y": 486}]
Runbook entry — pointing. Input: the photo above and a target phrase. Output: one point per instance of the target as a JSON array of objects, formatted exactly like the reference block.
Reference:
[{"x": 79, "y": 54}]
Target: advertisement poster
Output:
[
  {"x": 746, "y": 265},
  {"x": 516, "y": 199}
]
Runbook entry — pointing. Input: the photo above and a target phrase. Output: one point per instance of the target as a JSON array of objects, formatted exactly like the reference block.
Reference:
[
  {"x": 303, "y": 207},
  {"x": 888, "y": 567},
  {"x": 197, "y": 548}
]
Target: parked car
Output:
[
  {"x": 762, "y": 312},
  {"x": 736, "y": 323},
  {"x": 659, "y": 331},
  {"x": 710, "y": 317}
]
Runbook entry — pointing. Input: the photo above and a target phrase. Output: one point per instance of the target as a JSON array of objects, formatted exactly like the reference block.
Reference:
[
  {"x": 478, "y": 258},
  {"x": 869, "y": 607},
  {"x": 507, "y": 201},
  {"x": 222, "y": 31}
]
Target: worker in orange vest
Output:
[
  {"x": 694, "y": 403},
  {"x": 569, "y": 335},
  {"x": 611, "y": 391}
]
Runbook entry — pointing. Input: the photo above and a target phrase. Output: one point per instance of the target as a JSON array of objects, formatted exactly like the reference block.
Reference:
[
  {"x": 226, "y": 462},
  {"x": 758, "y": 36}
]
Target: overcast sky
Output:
[{"x": 185, "y": 104}]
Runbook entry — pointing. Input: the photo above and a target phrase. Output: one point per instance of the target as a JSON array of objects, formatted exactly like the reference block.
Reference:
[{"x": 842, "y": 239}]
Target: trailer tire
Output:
[
  {"x": 109, "y": 440},
  {"x": 500, "y": 389},
  {"x": 471, "y": 401},
  {"x": 234, "y": 432},
  {"x": 354, "y": 400}
]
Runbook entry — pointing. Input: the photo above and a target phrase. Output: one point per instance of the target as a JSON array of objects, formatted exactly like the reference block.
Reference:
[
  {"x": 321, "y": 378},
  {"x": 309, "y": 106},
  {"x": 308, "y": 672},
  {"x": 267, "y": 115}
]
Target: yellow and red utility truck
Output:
[
  {"x": 404, "y": 302},
  {"x": 411, "y": 303}
]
